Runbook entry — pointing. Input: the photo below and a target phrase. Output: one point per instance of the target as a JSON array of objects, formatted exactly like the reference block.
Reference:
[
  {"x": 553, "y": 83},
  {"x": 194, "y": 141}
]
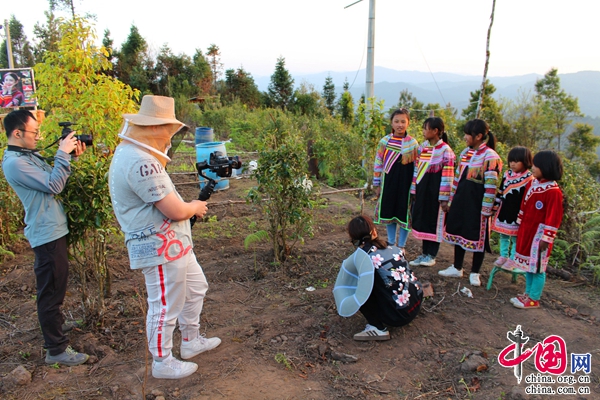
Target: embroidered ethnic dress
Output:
[
  {"x": 472, "y": 199},
  {"x": 393, "y": 170},
  {"x": 432, "y": 183},
  {"x": 508, "y": 201},
  {"x": 539, "y": 219},
  {"x": 12, "y": 99}
]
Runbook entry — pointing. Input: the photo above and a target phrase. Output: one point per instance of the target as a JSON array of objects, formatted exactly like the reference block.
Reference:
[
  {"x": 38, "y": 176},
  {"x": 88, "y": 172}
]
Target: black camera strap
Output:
[{"x": 33, "y": 152}]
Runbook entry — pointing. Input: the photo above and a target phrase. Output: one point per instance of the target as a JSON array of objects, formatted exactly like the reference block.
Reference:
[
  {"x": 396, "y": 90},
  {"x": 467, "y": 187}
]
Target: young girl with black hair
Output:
[
  {"x": 432, "y": 182},
  {"x": 472, "y": 200},
  {"x": 397, "y": 294},
  {"x": 508, "y": 203},
  {"x": 393, "y": 171},
  {"x": 539, "y": 219}
]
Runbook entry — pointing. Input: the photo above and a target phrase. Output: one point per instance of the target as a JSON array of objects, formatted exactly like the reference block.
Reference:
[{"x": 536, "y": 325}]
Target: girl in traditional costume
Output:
[
  {"x": 508, "y": 203},
  {"x": 539, "y": 219},
  {"x": 472, "y": 200},
  {"x": 432, "y": 182},
  {"x": 393, "y": 173}
]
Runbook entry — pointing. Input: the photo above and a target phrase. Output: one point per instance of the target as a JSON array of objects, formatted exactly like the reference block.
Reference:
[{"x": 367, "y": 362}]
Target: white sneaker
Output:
[
  {"x": 199, "y": 345},
  {"x": 474, "y": 279},
  {"x": 372, "y": 333},
  {"x": 451, "y": 272},
  {"x": 172, "y": 368},
  {"x": 428, "y": 261},
  {"x": 417, "y": 261}
]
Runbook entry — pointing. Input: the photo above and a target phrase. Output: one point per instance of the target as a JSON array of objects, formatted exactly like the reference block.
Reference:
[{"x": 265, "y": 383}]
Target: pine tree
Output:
[
  {"x": 48, "y": 37},
  {"x": 22, "y": 53},
  {"x": 345, "y": 105},
  {"x": 202, "y": 72},
  {"x": 329, "y": 94},
  {"x": 108, "y": 44},
  {"x": 558, "y": 107},
  {"x": 583, "y": 144},
  {"x": 63, "y": 5},
  {"x": 133, "y": 62},
  {"x": 491, "y": 111},
  {"x": 240, "y": 85},
  {"x": 214, "y": 60},
  {"x": 281, "y": 88},
  {"x": 409, "y": 101}
]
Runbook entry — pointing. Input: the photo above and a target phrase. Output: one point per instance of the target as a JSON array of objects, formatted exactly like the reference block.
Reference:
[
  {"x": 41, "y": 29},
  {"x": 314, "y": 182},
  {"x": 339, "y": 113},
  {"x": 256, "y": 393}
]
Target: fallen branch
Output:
[
  {"x": 438, "y": 303},
  {"x": 566, "y": 275},
  {"x": 377, "y": 390},
  {"x": 457, "y": 290}
]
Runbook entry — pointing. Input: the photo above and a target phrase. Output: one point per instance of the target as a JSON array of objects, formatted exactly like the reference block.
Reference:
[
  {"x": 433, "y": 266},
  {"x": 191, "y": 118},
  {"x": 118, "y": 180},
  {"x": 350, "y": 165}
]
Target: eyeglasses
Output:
[{"x": 36, "y": 133}]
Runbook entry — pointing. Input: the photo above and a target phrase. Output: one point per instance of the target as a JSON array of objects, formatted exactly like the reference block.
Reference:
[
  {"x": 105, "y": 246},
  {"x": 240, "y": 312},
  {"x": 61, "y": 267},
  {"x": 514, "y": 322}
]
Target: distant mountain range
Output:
[{"x": 443, "y": 88}]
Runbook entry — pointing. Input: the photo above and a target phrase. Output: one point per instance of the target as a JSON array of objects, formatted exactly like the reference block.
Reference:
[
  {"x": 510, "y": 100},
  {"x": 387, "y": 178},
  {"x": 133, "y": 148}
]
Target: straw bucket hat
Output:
[
  {"x": 354, "y": 283},
  {"x": 154, "y": 110}
]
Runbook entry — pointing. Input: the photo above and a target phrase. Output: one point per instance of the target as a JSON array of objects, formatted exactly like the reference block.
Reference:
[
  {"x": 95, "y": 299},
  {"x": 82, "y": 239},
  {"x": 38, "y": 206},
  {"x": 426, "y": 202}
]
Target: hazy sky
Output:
[{"x": 528, "y": 36}]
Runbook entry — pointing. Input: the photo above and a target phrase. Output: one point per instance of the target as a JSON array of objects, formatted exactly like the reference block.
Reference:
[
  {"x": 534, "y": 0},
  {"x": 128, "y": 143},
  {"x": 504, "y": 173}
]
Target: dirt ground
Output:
[{"x": 282, "y": 341}]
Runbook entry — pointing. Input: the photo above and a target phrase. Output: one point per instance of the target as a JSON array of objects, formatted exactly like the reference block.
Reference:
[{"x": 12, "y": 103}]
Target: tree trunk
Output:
[{"x": 487, "y": 62}]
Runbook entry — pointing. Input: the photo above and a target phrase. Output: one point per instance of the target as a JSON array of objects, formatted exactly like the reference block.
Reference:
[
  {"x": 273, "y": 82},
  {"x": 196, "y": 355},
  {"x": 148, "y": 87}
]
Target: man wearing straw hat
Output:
[{"x": 155, "y": 221}]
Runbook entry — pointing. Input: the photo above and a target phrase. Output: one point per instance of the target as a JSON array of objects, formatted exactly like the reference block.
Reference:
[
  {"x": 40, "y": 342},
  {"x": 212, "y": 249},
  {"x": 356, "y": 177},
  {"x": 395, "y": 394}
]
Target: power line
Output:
[
  {"x": 431, "y": 72},
  {"x": 360, "y": 65}
]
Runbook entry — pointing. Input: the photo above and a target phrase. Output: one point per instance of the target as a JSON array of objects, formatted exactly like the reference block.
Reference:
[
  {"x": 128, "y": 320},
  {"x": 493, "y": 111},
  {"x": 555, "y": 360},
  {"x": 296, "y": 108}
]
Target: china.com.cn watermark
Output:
[{"x": 551, "y": 359}]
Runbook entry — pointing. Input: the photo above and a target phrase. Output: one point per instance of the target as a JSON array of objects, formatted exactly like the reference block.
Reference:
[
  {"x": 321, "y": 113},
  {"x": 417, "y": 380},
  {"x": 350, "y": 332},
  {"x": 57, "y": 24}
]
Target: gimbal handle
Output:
[{"x": 205, "y": 193}]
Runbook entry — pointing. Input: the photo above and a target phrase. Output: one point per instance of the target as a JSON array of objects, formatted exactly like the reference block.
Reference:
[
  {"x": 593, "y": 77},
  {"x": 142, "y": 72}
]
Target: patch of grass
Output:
[
  {"x": 320, "y": 284},
  {"x": 282, "y": 359}
]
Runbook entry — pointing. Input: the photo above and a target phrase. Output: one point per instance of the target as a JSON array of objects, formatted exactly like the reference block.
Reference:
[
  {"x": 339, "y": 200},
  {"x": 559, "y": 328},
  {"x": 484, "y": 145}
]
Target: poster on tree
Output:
[{"x": 17, "y": 88}]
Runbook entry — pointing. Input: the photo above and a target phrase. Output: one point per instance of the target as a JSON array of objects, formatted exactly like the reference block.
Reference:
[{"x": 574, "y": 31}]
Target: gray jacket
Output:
[{"x": 36, "y": 184}]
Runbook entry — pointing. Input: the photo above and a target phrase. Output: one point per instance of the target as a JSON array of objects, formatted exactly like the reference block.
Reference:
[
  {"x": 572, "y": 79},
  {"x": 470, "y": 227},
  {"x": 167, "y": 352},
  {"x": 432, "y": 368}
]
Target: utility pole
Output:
[
  {"x": 11, "y": 64},
  {"x": 369, "y": 87}
]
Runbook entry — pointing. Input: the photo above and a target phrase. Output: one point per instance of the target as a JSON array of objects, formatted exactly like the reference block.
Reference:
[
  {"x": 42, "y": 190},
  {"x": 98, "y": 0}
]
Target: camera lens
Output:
[{"x": 87, "y": 139}]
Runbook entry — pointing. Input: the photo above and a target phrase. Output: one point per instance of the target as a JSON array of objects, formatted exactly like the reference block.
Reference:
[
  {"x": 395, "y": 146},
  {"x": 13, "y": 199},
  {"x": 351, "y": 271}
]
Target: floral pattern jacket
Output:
[{"x": 400, "y": 281}]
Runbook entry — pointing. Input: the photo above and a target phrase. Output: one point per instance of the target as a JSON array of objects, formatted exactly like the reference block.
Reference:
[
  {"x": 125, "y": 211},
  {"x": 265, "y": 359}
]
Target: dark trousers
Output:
[
  {"x": 459, "y": 257},
  {"x": 51, "y": 269},
  {"x": 430, "y": 248},
  {"x": 374, "y": 314}
]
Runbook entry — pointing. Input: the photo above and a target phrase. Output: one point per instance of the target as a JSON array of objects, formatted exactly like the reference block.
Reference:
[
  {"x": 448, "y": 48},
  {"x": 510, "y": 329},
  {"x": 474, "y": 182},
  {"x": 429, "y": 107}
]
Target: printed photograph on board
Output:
[{"x": 17, "y": 88}]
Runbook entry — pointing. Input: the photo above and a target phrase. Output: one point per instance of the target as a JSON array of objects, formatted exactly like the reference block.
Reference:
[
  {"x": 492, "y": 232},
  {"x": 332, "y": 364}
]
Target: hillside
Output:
[{"x": 451, "y": 88}]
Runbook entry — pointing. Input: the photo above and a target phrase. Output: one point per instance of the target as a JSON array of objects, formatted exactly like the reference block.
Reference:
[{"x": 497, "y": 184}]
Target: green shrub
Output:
[
  {"x": 11, "y": 215},
  {"x": 580, "y": 227},
  {"x": 282, "y": 190}
]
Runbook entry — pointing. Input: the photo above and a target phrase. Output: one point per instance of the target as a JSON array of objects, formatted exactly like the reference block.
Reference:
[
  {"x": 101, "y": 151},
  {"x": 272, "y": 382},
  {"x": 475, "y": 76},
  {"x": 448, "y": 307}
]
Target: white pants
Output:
[{"x": 175, "y": 292}]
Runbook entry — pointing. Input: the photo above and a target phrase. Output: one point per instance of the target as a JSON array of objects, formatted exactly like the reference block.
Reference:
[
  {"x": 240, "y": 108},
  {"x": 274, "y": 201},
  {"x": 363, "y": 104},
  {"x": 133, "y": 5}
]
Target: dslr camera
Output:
[
  {"x": 221, "y": 166},
  {"x": 87, "y": 139}
]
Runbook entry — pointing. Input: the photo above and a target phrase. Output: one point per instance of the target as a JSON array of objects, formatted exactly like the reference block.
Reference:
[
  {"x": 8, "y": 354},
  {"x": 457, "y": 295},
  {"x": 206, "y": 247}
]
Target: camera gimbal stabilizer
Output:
[{"x": 221, "y": 166}]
